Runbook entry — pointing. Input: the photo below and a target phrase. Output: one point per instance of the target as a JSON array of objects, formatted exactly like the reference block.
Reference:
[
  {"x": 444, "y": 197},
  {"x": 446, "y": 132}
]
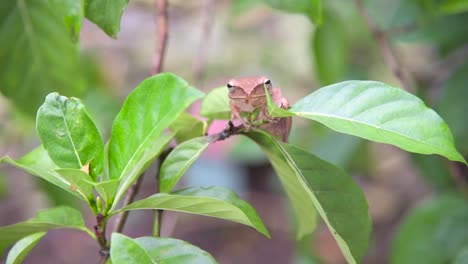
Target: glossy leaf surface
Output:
[
  {"x": 79, "y": 181},
  {"x": 179, "y": 160},
  {"x": 215, "y": 104},
  {"x": 136, "y": 133},
  {"x": 313, "y": 183},
  {"x": 126, "y": 250},
  {"x": 378, "y": 112},
  {"x": 21, "y": 249},
  {"x": 55, "y": 218},
  {"x": 214, "y": 201},
  {"x": 69, "y": 135},
  {"x": 38, "y": 163},
  {"x": 173, "y": 251}
]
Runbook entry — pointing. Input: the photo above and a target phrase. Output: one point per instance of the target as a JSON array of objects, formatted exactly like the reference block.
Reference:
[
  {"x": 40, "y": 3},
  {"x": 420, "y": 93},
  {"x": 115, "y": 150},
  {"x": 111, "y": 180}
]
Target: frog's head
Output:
[{"x": 248, "y": 87}]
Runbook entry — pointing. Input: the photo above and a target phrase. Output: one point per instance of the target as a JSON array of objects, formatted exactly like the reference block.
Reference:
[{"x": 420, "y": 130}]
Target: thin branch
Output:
[
  {"x": 130, "y": 196},
  {"x": 442, "y": 71},
  {"x": 382, "y": 41},
  {"x": 199, "y": 64},
  {"x": 162, "y": 33}
]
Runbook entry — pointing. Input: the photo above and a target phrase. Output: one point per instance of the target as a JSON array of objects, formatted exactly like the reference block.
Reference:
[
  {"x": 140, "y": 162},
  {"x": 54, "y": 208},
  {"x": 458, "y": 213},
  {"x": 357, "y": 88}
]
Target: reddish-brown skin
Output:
[{"x": 248, "y": 94}]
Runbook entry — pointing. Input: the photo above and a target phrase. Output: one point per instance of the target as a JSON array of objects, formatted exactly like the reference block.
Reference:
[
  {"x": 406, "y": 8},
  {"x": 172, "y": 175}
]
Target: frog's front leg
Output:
[{"x": 236, "y": 114}]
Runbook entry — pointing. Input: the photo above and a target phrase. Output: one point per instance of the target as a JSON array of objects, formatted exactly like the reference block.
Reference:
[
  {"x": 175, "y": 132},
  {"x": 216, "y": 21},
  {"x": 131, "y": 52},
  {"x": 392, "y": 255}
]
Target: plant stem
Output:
[
  {"x": 199, "y": 64},
  {"x": 132, "y": 192},
  {"x": 387, "y": 52},
  {"x": 162, "y": 32}
]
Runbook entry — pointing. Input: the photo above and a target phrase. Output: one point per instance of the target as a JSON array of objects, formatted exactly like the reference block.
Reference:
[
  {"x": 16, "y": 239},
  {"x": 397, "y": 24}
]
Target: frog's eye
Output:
[
  {"x": 230, "y": 87},
  {"x": 267, "y": 82}
]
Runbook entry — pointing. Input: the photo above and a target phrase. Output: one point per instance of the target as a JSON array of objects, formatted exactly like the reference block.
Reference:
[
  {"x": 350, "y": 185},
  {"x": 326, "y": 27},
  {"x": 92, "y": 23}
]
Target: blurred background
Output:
[{"x": 416, "y": 202}]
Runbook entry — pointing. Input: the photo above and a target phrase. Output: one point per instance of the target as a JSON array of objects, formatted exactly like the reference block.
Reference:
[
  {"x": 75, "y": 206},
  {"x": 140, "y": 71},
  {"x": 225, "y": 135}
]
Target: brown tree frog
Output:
[{"x": 247, "y": 95}]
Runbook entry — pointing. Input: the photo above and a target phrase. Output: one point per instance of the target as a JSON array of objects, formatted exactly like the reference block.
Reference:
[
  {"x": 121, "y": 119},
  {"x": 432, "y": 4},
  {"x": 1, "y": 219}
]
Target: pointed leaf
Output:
[
  {"x": 433, "y": 233},
  {"x": 379, "y": 112},
  {"x": 69, "y": 135},
  {"x": 106, "y": 14},
  {"x": 174, "y": 251},
  {"x": 179, "y": 160},
  {"x": 22, "y": 248},
  {"x": 148, "y": 110},
  {"x": 214, "y": 201},
  {"x": 140, "y": 165},
  {"x": 55, "y": 218},
  {"x": 311, "y": 182},
  {"x": 79, "y": 180},
  {"x": 126, "y": 250},
  {"x": 452, "y": 105},
  {"x": 215, "y": 105},
  {"x": 73, "y": 12},
  {"x": 37, "y": 55},
  {"x": 38, "y": 163}
]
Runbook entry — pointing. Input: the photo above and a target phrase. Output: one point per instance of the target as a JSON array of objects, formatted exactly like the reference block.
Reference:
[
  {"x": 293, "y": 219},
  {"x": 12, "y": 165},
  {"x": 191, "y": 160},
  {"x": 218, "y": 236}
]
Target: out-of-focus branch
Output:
[
  {"x": 443, "y": 70},
  {"x": 385, "y": 49},
  {"x": 199, "y": 63},
  {"x": 130, "y": 196},
  {"x": 162, "y": 33}
]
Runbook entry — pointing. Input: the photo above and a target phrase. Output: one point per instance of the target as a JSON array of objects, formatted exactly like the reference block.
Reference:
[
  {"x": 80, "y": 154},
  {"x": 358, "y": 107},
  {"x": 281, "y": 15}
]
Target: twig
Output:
[
  {"x": 199, "y": 64},
  {"x": 387, "y": 53},
  {"x": 162, "y": 32},
  {"x": 158, "y": 214},
  {"x": 130, "y": 196},
  {"x": 443, "y": 70}
]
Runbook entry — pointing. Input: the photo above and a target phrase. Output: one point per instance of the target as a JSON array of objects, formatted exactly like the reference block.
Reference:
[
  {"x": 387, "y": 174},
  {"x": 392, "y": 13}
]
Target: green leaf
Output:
[
  {"x": 69, "y": 135},
  {"x": 187, "y": 127},
  {"x": 37, "y": 54},
  {"x": 73, "y": 12},
  {"x": 179, "y": 160},
  {"x": 22, "y": 248},
  {"x": 214, "y": 201},
  {"x": 173, "y": 251},
  {"x": 38, "y": 163},
  {"x": 106, "y": 14},
  {"x": 313, "y": 183},
  {"x": 126, "y": 250},
  {"x": 330, "y": 51},
  {"x": 80, "y": 181},
  {"x": 136, "y": 133},
  {"x": 378, "y": 112},
  {"x": 433, "y": 233},
  {"x": 107, "y": 190},
  {"x": 311, "y": 8},
  {"x": 452, "y": 106},
  {"x": 55, "y": 218},
  {"x": 215, "y": 105},
  {"x": 139, "y": 166}
]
